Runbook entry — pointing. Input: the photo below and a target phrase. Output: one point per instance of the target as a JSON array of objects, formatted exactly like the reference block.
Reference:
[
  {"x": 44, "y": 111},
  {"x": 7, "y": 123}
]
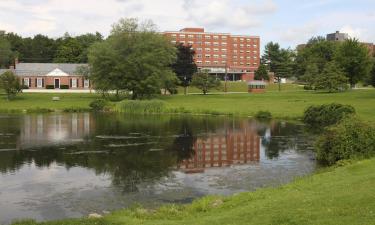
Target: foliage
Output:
[
  {"x": 261, "y": 73},
  {"x": 5, "y": 53},
  {"x": 372, "y": 74},
  {"x": 64, "y": 86},
  {"x": 134, "y": 58},
  {"x": 351, "y": 138},
  {"x": 310, "y": 76},
  {"x": 318, "y": 52},
  {"x": 50, "y": 86},
  {"x": 279, "y": 61},
  {"x": 43, "y": 49},
  {"x": 10, "y": 83},
  {"x": 203, "y": 81},
  {"x": 141, "y": 107},
  {"x": 185, "y": 67},
  {"x": 98, "y": 105},
  {"x": 263, "y": 115},
  {"x": 331, "y": 79},
  {"x": 327, "y": 114},
  {"x": 354, "y": 59}
]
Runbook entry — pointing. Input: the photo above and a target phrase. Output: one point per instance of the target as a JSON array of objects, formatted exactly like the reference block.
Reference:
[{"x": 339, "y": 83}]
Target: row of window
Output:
[
  {"x": 214, "y": 37},
  {"x": 40, "y": 83},
  {"x": 199, "y": 62},
  {"x": 207, "y": 56},
  {"x": 224, "y": 50},
  {"x": 224, "y": 44}
]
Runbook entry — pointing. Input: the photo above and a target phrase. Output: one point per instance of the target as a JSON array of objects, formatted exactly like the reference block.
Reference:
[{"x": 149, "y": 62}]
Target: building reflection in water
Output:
[
  {"x": 223, "y": 149},
  {"x": 44, "y": 130}
]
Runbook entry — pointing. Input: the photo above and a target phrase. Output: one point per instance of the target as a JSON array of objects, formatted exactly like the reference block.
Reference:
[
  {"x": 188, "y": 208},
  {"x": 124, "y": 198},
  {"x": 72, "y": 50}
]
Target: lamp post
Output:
[{"x": 226, "y": 77}]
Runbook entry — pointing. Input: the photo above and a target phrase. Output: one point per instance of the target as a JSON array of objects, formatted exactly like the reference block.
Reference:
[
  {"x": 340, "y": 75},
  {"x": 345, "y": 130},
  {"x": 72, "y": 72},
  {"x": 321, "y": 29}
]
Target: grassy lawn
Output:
[
  {"x": 343, "y": 195},
  {"x": 289, "y": 103},
  {"x": 44, "y": 101}
]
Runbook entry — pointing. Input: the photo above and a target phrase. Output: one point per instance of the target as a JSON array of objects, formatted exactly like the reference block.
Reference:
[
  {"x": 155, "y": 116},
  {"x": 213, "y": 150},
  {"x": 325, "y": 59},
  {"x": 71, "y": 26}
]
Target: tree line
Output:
[
  {"x": 321, "y": 64},
  {"x": 43, "y": 49}
]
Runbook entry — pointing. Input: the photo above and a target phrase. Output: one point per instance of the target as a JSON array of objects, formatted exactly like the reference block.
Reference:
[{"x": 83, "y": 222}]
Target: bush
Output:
[
  {"x": 98, "y": 105},
  {"x": 263, "y": 115},
  {"x": 50, "y": 86},
  {"x": 142, "y": 107},
  {"x": 63, "y": 86},
  {"x": 350, "y": 139},
  {"x": 326, "y": 115}
]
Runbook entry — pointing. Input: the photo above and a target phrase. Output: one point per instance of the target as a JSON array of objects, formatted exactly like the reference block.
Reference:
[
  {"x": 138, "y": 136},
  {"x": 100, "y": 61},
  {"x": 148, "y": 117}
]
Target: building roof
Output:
[{"x": 45, "y": 69}]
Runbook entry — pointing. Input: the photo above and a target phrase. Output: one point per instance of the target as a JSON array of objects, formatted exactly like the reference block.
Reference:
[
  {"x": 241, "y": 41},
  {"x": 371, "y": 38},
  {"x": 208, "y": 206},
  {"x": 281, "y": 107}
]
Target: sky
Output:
[{"x": 288, "y": 22}]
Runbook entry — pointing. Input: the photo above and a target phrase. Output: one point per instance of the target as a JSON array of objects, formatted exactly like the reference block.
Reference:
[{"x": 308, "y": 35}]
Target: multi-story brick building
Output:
[{"x": 221, "y": 54}]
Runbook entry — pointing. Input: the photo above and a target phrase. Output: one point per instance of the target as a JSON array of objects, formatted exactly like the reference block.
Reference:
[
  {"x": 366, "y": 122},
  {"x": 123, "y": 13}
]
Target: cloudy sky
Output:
[{"x": 288, "y": 22}]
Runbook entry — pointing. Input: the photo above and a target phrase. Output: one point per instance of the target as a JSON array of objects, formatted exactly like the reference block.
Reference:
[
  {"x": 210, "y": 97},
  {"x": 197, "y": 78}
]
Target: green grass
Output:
[
  {"x": 41, "y": 102},
  {"x": 343, "y": 195},
  {"x": 289, "y": 103}
]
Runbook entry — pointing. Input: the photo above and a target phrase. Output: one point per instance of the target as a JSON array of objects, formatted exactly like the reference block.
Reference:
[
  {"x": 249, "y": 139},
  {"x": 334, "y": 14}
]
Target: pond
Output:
[{"x": 55, "y": 166}]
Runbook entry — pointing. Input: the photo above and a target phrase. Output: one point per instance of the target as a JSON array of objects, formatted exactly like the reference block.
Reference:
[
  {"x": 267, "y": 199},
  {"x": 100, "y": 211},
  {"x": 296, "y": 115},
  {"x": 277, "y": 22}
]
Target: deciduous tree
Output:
[
  {"x": 205, "y": 82},
  {"x": 355, "y": 60},
  {"x": 331, "y": 79},
  {"x": 10, "y": 83}
]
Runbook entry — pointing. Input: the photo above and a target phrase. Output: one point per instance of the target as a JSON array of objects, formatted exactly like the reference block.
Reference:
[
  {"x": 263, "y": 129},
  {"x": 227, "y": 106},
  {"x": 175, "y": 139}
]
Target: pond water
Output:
[{"x": 55, "y": 166}]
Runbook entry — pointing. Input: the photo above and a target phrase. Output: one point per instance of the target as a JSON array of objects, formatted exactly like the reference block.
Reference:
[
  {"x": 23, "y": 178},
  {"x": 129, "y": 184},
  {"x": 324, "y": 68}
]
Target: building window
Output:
[
  {"x": 86, "y": 83},
  {"x": 224, "y": 37},
  {"x": 208, "y": 43},
  {"x": 207, "y": 37},
  {"x": 208, "y": 62},
  {"x": 234, "y": 39},
  {"x": 74, "y": 83},
  {"x": 174, "y": 35},
  {"x": 191, "y": 43},
  {"x": 235, "y": 57},
  {"x": 216, "y": 56},
  {"x": 199, "y": 56},
  {"x": 190, "y": 36},
  {"x": 241, "y": 45},
  {"x": 224, "y": 50},
  {"x": 216, "y": 37},
  {"x": 224, "y": 56},
  {"x": 235, "y": 45},
  {"x": 235, "y": 51},
  {"x": 216, "y": 49},
  {"x": 182, "y": 36},
  {"x": 216, "y": 62},
  {"x": 241, "y": 51},
  {"x": 248, "y": 39},
  {"x": 199, "y": 36},
  {"x": 223, "y": 44},
  {"x": 199, "y": 49},
  {"x": 207, "y": 49},
  {"x": 39, "y": 82},
  {"x": 173, "y": 42},
  {"x": 26, "y": 82},
  {"x": 255, "y": 46},
  {"x": 199, "y": 62},
  {"x": 208, "y": 56}
]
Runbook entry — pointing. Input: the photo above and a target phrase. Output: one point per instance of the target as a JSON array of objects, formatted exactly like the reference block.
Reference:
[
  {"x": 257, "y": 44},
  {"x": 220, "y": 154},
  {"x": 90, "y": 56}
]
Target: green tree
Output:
[
  {"x": 135, "y": 58},
  {"x": 373, "y": 75},
  {"x": 10, "y": 83},
  {"x": 355, "y": 60},
  {"x": 185, "y": 67},
  {"x": 6, "y": 53},
  {"x": 205, "y": 82},
  {"x": 261, "y": 73},
  {"x": 279, "y": 61},
  {"x": 331, "y": 79},
  {"x": 317, "y": 51},
  {"x": 311, "y": 74}
]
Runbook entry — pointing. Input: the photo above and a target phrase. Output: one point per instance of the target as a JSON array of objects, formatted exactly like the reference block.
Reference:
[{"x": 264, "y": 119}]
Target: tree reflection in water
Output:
[{"x": 139, "y": 149}]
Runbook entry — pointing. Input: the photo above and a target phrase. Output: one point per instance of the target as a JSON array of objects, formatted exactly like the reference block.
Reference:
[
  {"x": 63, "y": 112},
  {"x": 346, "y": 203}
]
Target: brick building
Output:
[
  {"x": 238, "y": 56},
  {"x": 50, "y": 75}
]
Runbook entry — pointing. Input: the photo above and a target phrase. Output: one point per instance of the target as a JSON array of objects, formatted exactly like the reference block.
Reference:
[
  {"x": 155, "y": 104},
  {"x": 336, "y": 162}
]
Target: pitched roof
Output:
[{"x": 43, "y": 69}]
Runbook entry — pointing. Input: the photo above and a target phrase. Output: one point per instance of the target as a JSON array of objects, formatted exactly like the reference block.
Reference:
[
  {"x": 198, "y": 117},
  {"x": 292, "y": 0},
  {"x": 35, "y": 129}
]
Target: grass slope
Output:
[{"x": 343, "y": 195}]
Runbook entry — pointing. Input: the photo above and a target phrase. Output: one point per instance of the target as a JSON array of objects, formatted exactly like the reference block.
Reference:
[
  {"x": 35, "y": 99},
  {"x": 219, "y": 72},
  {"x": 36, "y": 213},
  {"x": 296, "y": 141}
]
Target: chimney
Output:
[{"x": 16, "y": 62}]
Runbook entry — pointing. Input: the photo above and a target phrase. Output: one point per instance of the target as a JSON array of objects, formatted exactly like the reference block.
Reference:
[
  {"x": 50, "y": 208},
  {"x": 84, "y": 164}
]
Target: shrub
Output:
[
  {"x": 63, "y": 86},
  {"x": 263, "y": 115},
  {"x": 326, "y": 115},
  {"x": 98, "y": 105},
  {"x": 142, "y": 107},
  {"x": 50, "y": 87},
  {"x": 349, "y": 139}
]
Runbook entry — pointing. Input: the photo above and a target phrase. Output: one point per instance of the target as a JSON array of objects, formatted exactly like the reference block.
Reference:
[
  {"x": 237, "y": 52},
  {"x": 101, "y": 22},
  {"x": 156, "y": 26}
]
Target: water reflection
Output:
[{"x": 55, "y": 166}]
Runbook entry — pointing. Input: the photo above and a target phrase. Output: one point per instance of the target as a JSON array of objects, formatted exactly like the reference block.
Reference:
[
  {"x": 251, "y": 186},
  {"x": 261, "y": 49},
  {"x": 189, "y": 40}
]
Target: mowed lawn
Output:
[
  {"x": 289, "y": 103},
  {"x": 345, "y": 195},
  {"x": 36, "y": 101}
]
